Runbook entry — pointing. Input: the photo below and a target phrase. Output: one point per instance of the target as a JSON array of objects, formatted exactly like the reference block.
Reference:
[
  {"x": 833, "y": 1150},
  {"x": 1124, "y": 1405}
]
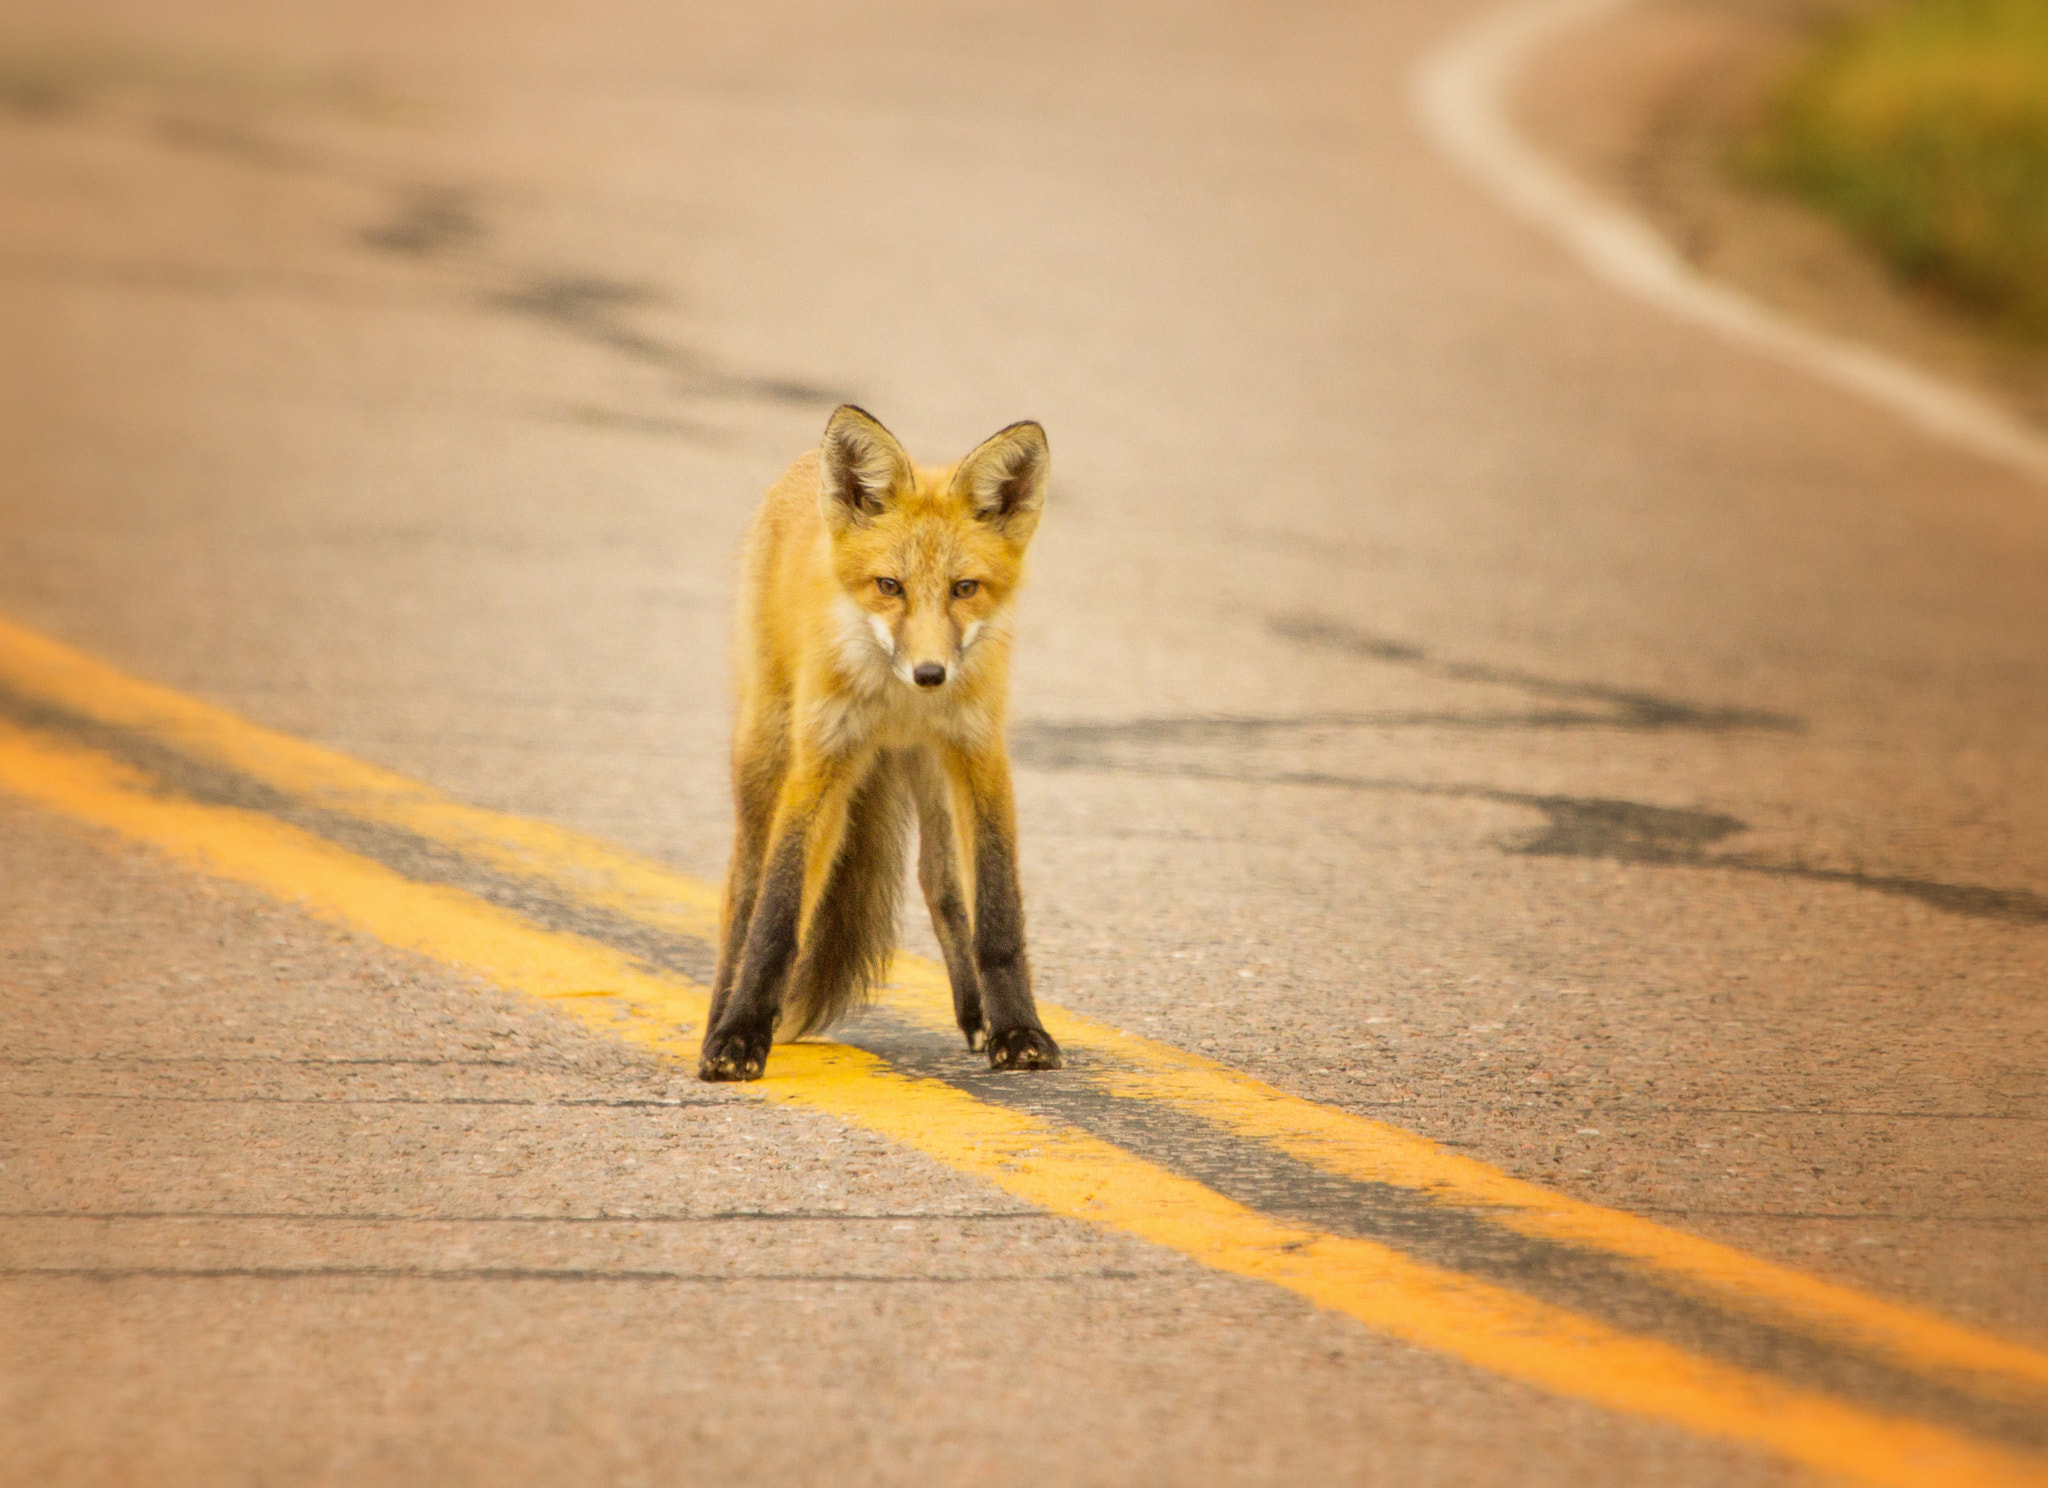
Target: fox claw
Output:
[
  {"x": 1022, "y": 1049},
  {"x": 733, "y": 1056}
]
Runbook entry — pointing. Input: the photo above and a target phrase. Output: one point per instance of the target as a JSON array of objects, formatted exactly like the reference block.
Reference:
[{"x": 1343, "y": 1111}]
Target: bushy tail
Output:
[{"x": 853, "y": 930}]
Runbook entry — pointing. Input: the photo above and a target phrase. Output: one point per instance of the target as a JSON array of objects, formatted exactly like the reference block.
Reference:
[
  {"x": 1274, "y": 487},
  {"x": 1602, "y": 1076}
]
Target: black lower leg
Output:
[
  {"x": 736, "y": 1045},
  {"x": 732, "y": 944},
  {"x": 1015, "y": 1038},
  {"x": 938, "y": 874},
  {"x": 956, "y": 941},
  {"x": 941, "y": 884}
]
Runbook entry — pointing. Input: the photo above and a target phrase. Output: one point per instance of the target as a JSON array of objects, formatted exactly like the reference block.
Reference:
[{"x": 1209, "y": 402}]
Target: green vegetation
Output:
[{"x": 1923, "y": 127}]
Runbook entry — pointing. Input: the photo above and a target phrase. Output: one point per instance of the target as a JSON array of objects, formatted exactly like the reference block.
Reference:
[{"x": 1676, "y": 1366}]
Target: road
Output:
[{"x": 1451, "y": 693}]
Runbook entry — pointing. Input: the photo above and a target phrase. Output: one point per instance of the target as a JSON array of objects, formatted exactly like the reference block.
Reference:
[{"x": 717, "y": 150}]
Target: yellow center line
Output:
[
  {"x": 1368, "y": 1151},
  {"x": 1062, "y": 1170},
  {"x": 597, "y": 874}
]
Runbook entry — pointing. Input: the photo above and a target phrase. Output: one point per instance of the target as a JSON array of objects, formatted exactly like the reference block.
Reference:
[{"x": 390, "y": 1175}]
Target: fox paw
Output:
[
  {"x": 1023, "y": 1049},
  {"x": 975, "y": 1034},
  {"x": 735, "y": 1054}
]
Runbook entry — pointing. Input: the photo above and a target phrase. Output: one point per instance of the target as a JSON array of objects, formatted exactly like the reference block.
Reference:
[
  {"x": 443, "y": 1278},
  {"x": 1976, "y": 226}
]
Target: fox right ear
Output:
[
  {"x": 1004, "y": 479},
  {"x": 860, "y": 467}
]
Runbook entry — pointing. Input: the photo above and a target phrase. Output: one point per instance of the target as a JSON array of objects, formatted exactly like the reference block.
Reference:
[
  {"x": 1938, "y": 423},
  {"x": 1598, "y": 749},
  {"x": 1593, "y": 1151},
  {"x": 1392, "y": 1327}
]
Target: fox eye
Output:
[
  {"x": 888, "y": 586},
  {"x": 966, "y": 587}
]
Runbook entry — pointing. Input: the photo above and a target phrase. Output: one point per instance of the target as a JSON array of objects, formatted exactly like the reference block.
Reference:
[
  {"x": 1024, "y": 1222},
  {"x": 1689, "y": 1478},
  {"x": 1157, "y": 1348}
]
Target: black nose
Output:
[{"x": 928, "y": 674}]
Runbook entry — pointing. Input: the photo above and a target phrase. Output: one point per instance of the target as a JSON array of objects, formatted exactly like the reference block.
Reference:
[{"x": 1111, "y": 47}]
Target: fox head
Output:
[{"x": 930, "y": 558}]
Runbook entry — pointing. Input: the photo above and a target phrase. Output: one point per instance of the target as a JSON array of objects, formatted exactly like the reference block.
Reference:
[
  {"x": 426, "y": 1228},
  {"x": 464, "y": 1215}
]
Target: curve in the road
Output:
[{"x": 1461, "y": 94}]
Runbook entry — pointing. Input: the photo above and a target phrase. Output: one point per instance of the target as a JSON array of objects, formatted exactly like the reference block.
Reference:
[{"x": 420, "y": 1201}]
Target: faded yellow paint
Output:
[
  {"x": 1063, "y": 1170},
  {"x": 312, "y": 874},
  {"x": 1355, "y": 1147},
  {"x": 1373, "y": 1152},
  {"x": 595, "y": 872}
]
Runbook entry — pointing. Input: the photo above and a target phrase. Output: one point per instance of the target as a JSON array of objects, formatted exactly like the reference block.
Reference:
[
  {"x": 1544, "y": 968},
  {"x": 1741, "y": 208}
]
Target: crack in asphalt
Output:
[
  {"x": 1599, "y": 827},
  {"x": 428, "y": 222},
  {"x": 592, "y": 309},
  {"x": 1627, "y": 708}
]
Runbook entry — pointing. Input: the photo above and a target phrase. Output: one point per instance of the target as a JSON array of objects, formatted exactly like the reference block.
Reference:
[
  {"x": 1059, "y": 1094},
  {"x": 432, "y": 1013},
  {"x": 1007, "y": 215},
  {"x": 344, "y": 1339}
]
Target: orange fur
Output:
[{"x": 865, "y": 577}]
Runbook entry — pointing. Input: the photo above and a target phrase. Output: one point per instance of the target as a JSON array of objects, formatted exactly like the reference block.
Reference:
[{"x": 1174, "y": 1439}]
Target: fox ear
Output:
[
  {"x": 860, "y": 467},
  {"x": 1004, "y": 479}
]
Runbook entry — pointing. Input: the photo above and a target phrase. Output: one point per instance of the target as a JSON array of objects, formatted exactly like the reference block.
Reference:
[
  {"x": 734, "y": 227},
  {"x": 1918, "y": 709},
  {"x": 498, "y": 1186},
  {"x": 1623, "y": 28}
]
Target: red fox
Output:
[{"x": 873, "y": 663}]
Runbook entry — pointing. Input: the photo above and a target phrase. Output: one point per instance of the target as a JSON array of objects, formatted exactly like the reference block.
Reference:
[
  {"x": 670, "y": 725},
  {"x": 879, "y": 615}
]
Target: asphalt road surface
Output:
[{"x": 1449, "y": 693}]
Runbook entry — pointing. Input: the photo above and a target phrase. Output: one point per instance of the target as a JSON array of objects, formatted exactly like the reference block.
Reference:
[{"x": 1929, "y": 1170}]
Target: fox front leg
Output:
[
  {"x": 806, "y": 836},
  {"x": 945, "y": 895},
  {"x": 736, "y": 1045},
  {"x": 1016, "y": 1039},
  {"x": 754, "y": 795}
]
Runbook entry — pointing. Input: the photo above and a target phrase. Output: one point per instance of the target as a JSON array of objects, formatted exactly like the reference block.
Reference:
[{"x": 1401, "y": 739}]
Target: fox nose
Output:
[{"x": 928, "y": 674}]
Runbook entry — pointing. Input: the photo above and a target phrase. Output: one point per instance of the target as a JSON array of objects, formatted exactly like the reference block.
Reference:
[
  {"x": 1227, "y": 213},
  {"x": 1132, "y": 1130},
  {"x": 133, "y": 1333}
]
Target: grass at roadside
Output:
[{"x": 1923, "y": 127}]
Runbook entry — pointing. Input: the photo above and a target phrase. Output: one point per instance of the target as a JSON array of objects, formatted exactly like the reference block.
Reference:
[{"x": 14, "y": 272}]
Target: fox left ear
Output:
[
  {"x": 1004, "y": 479},
  {"x": 861, "y": 468}
]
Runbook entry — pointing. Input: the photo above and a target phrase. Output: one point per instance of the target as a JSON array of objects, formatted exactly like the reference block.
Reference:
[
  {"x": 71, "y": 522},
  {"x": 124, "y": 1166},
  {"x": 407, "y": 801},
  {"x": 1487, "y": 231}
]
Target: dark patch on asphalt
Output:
[
  {"x": 1625, "y": 831},
  {"x": 1457, "y": 1239},
  {"x": 1601, "y": 827},
  {"x": 426, "y": 221},
  {"x": 233, "y": 139},
  {"x": 594, "y": 310},
  {"x": 590, "y": 305},
  {"x": 39, "y": 90},
  {"x": 1627, "y": 708},
  {"x": 1669, "y": 836}
]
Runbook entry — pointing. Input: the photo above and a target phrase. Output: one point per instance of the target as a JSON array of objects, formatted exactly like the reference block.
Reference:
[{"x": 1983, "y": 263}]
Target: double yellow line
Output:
[{"x": 48, "y": 755}]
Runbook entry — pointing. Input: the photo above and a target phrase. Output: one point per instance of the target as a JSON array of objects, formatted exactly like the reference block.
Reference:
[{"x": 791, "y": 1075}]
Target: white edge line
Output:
[{"x": 1459, "y": 91}]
